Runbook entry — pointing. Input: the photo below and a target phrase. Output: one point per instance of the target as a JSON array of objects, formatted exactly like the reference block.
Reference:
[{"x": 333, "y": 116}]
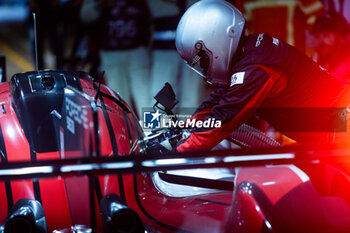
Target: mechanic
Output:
[
  {"x": 256, "y": 74},
  {"x": 124, "y": 34},
  {"x": 332, "y": 47}
]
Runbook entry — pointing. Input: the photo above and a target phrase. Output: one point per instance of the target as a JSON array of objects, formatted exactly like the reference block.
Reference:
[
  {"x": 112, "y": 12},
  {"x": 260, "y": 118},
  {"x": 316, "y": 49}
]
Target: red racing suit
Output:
[{"x": 282, "y": 86}]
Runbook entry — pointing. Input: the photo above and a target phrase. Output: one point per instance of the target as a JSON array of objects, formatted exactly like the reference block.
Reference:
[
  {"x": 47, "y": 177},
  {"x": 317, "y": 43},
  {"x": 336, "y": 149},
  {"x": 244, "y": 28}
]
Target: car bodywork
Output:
[{"x": 71, "y": 161}]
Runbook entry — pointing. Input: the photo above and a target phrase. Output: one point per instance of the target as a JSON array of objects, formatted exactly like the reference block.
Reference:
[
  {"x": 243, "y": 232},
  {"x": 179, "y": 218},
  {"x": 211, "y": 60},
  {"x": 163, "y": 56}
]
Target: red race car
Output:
[{"x": 72, "y": 161}]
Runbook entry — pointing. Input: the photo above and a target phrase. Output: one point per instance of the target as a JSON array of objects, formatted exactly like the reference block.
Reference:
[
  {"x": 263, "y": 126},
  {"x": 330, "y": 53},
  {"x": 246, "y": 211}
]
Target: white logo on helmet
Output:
[{"x": 237, "y": 78}]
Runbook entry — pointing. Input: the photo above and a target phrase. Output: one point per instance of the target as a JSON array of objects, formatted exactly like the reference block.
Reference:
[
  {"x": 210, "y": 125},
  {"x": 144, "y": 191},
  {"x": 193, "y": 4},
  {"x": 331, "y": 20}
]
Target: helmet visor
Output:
[{"x": 201, "y": 63}]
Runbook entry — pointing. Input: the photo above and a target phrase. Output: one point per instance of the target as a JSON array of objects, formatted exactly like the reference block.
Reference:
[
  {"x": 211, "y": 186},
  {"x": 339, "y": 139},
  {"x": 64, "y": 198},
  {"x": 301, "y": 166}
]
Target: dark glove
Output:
[{"x": 156, "y": 148}]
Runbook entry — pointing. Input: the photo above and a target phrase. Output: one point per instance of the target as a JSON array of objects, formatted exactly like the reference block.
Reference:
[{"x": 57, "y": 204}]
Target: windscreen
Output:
[
  {"x": 79, "y": 139},
  {"x": 78, "y": 130}
]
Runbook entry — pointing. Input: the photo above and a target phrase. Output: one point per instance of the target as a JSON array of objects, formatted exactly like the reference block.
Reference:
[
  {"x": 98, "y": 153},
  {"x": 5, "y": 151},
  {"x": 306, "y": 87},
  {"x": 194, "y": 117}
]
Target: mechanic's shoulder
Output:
[
  {"x": 247, "y": 68},
  {"x": 259, "y": 40}
]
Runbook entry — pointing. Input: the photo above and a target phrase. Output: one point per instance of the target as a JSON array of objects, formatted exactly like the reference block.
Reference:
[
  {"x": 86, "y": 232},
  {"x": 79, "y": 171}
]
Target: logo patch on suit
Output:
[
  {"x": 260, "y": 38},
  {"x": 275, "y": 41},
  {"x": 237, "y": 78}
]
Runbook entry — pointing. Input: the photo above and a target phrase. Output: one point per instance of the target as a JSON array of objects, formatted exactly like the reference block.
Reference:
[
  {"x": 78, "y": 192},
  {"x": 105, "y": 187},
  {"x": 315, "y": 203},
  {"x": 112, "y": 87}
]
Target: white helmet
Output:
[{"x": 207, "y": 38}]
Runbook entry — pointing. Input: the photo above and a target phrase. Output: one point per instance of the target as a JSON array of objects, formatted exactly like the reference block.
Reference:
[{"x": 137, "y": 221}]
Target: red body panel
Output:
[
  {"x": 3, "y": 198},
  {"x": 268, "y": 178},
  {"x": 55, "y": 203},
  {"x": 203, "y": 213},
  {"x": 246, "y": 209}
]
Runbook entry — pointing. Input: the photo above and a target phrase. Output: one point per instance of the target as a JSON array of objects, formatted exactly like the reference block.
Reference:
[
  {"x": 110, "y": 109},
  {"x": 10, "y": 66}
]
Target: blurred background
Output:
[
  {"x": 14, "y": 43},
  {"x": 131, "y": 42},
  {"x": 17, "y": 36},
  {"x": 128, "y": 44}
]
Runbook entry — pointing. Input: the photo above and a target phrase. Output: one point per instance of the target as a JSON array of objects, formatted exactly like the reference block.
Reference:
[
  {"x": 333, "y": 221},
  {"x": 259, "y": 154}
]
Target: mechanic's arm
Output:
[
  {"x": 235, "y": 105},
  {"x": 206, "y": 106}
]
